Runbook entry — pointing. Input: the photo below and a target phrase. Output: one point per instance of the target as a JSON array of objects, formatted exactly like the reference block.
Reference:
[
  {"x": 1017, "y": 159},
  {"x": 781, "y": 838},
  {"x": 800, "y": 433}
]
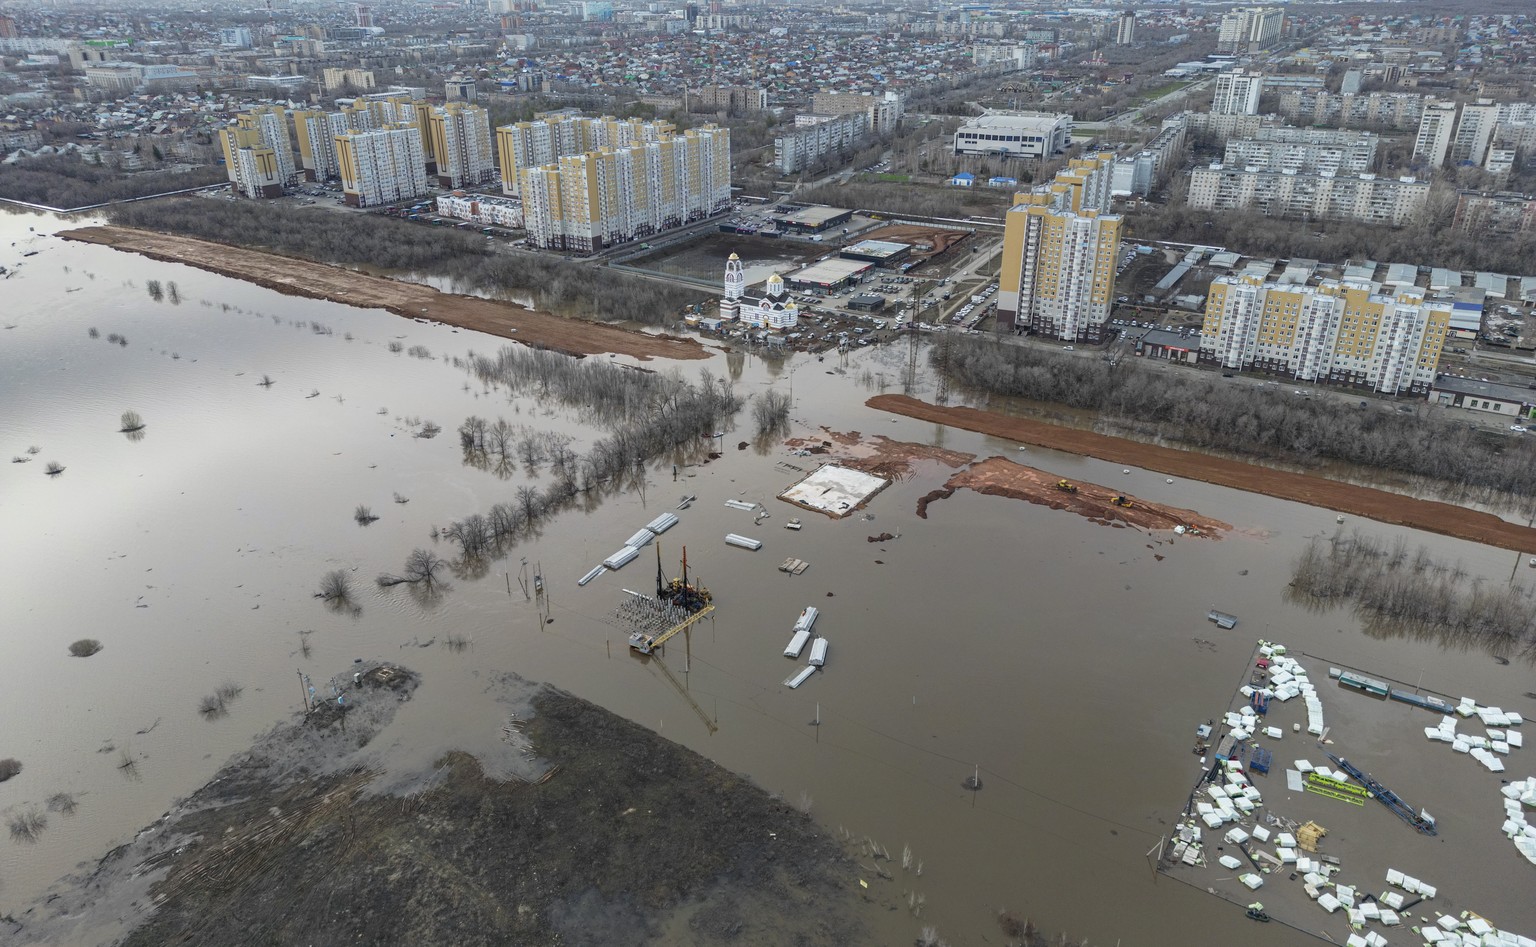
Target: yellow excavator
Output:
[
  {"x": 1066, "y": 486},
  {"x": 1121, "y": 501}
]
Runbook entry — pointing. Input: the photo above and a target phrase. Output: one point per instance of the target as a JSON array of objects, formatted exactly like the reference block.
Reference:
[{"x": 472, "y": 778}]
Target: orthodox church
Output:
[{"x": 774, "y": 309}]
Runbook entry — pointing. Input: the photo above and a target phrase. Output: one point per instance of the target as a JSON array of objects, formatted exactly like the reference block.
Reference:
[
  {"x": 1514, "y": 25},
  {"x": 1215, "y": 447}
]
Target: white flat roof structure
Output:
[
  {"x": 1028, "y": 134},
  {"x": 834, "y": 490},
  {"x": 828, "y": 273}
]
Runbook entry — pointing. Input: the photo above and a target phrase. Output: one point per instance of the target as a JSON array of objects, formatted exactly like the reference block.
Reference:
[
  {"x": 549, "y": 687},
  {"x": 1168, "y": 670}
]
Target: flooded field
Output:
[{"x": 1067, "y": 660}]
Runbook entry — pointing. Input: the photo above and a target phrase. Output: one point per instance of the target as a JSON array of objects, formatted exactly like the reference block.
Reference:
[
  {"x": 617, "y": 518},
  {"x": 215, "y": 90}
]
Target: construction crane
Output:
[{"x": 1421, "y": 821}]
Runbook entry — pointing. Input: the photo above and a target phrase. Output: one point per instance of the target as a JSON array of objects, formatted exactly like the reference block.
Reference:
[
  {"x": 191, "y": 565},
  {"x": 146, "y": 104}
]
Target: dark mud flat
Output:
[{"x": 609, "y": 835}]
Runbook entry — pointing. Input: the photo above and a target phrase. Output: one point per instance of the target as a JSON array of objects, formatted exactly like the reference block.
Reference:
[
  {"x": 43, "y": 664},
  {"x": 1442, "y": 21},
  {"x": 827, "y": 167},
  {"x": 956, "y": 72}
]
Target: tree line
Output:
[
  {"x": 647, "y": 415},
  {"x": 913, "y": 199},
  {"x": 1398, "y": 592},
  {"x": 70, "y": 181},
  {"x": 556, "y": 285},
  {"x": 1259, "y": 422}
]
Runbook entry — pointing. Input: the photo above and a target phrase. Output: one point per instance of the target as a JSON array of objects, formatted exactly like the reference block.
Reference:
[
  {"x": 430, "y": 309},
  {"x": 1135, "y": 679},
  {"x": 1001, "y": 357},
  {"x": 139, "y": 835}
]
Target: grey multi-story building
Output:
[
  {"x": 1303, "y": 149},
  {"x": 817, "y": 136},
  {"x": 1319, "y": 195},
  {"x": 1352, "y": 110}
]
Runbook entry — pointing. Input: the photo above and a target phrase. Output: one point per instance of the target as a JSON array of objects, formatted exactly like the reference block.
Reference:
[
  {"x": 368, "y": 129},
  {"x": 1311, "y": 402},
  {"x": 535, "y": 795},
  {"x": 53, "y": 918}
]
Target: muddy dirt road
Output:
[
  {"x": 412, "y": 300},
  {"x": 1436, "y": 517}
]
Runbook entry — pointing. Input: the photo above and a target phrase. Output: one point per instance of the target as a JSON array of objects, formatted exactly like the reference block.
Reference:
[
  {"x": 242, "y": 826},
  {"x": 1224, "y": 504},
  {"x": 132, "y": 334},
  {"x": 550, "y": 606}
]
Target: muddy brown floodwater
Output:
[
  {"x": 1378, "y": 505},
  {"x": 412, "y": 300},
  {"x": 1069, "y": 661}
]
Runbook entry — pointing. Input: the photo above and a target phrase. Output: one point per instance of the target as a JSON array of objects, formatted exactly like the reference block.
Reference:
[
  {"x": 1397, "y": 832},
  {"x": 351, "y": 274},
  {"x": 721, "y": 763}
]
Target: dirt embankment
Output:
[
  {"x": 999, "y": 476},
  {"x": 333, "y": 283},
  {"x": 624, "y": 838},
  {"x": 1380, "y": 505},
  {"x": 939, "y": 238}
]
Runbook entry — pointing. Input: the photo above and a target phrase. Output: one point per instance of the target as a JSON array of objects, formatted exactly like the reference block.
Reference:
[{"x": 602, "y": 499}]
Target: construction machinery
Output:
[
  {"x": 676, "y": 607},
  {"x": 1421, "y": 821},
  {"x": 1121, "y": 501},
  {"x": 1066, "y": 486}
]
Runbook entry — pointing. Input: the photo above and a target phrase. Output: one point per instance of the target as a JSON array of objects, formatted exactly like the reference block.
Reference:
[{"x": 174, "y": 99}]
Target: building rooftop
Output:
[
  {"x": 1014, "y": 120},
  {"x": 1484, "y": 389},
  {"x": 877, "y": 248},
  {"x": 827, "y": 272},
  {"x": 814, "y": 216}
]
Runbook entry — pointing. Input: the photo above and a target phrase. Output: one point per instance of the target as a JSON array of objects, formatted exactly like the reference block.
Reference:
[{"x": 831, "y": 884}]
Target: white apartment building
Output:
[
  {"x": 815, "y": 136},
  {"x": 1005, "y": 55},
  {"x": 1237, "y": 93},
  {"x": 257, "y": 152},
  {"x": 1474, "y": 132},
  {"x": 614, "y": 195},
  {"x": 382, "y": 166},
  {"x": 1324, "y": 194},
  {"x": 1437, "y": 127},
  {"x": 1246, "y": 29},
  {"x": 884, "y": 111},
  {"x": 1341, "y": 331},
  {"x": 461, "y": 143},
  {"x": 1125, "y": 28},
  {"x": 1015, "y": 135},
  {"x": 553, "y": 135},
  {"x": 1303, "y": 149},
  {"x": 1060, "y": 249},
  {"x": 500, "y": 211}
]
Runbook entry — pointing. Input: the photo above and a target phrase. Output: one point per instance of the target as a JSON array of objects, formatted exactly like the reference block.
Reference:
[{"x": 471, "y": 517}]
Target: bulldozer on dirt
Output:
[
  {"x": 1121, "y": 501},
  {"x": 1066, "y": 486}
]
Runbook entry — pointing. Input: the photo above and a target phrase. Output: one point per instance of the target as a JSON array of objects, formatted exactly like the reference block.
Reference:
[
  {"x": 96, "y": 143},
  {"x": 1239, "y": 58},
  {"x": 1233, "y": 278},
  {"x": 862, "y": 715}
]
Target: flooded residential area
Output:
[{"x": 290, "y": 669}]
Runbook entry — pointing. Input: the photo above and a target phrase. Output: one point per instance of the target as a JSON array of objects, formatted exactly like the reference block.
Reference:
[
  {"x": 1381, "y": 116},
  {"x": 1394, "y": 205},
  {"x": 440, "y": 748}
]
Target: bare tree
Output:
[
  {"x": 9, "y": 767},
  {"x": 131, "y": 422},
  {"x": 335, "y": 587},
  {"x": 363, "y": 515},
  {"x": 85, "y": 647},
  {"x": 423, "y": 565}
]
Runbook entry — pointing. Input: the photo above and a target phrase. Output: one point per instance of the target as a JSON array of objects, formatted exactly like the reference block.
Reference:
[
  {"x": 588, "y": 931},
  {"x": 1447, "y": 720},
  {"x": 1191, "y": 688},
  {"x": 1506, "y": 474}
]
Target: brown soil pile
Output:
[
  {"x": 999, "y": 476},
  {"x": 1430, "y": 515},
  {"x": 890, "y": 459},
  {"x": 937, "y": 237},
  {"x": 297, "y": 277}
]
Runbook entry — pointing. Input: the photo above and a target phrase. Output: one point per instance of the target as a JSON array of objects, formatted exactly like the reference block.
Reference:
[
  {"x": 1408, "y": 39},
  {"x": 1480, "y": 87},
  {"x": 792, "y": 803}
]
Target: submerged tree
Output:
[
  {"x": 131, "y": 422},
  {"x": 335, "y": 587}
]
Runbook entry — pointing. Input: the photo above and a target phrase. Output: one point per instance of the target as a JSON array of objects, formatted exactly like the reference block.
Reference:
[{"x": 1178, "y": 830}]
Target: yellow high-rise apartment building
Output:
[
  {"x": 553, "y": 135},
  {"x": 1060, "y": 245},
  {"x": 615, "y": 194},
  {"x": 316, "y": 133},
  {"x": 1342, "y": 331},
  {"x": 459, "y": 141},
  {"x": 257, "y": 152},
  {"x": 381, "y": 166}
]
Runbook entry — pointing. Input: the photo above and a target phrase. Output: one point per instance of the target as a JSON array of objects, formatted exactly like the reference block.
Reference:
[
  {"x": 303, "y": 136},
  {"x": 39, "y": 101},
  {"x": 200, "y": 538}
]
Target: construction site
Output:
[
  {"x": 1358, "y": 810},
  {"x": 998, "y": 476}
]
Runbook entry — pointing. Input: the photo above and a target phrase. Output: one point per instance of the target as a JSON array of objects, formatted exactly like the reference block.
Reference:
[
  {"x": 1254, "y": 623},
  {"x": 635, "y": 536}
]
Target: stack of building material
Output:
[
  {"x": 641, "y": 539},
  {"x": 1518, "y": 797},
  {"x": 621, "y": 558},
  {"x": 662, "y": 523}
]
